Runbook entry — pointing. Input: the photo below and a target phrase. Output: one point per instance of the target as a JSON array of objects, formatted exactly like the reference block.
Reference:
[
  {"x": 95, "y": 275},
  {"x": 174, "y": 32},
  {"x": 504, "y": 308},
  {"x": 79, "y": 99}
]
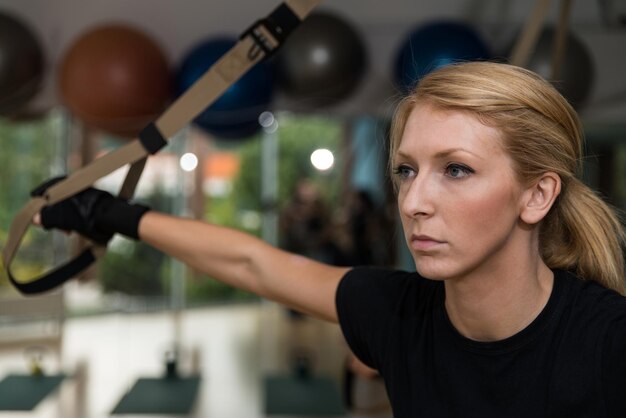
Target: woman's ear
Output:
[{"x": 539, "y": 198}]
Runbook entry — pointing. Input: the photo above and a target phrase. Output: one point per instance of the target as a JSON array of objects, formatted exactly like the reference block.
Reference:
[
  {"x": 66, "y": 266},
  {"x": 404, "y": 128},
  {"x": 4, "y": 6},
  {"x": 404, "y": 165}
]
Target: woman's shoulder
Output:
[
  {"x": 586, "y": 288},
  {"x": 590, "y": 302},
  {"x": 397, "y": 287},
  {"x": 594, "y": 328}
]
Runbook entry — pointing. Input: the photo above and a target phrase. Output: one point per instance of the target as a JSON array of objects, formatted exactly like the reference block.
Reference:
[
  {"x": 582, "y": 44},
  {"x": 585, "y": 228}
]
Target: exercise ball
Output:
[
  {"x": 21, "y": 64},
  {"x": 435, "y": 45},
  {"x": 576, "y": 76},
  {"x": 115, "y": 78},
  {"x": 322, "y": 62},
  {"x": 235, "y": 114}
]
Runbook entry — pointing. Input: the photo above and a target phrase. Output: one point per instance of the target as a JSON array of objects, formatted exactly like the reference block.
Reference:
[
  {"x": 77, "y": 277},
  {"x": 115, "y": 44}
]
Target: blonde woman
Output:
[{"x": 515, "y": 308}]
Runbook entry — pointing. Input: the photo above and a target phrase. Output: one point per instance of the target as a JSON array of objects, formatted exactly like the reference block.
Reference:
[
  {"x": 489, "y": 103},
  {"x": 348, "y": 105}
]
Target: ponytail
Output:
[{"x": 584, "y": 235}]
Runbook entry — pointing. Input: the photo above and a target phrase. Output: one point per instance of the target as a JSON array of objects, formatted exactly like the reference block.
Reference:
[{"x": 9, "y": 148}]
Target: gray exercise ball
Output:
[
  {"x": 322, "y": 62},
  {"x": 577, "y": 71},
  {"x": 21, "y": 64}
]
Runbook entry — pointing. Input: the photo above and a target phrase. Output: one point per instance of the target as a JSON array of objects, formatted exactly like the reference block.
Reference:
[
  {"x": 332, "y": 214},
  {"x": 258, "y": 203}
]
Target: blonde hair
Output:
[{"x": 542, "y": 133}]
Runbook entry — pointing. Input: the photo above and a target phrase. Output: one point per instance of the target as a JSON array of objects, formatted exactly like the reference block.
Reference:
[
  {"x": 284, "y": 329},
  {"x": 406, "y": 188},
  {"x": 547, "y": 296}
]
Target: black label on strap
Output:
[{"x": 151, "y": 138}]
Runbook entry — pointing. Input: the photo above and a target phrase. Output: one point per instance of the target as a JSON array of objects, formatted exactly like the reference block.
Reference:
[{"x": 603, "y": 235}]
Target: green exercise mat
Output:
[
  {"x": 294, "y": 395},
  {"x": 24, "y": 392},
  {"x": 160, "y": 396}
]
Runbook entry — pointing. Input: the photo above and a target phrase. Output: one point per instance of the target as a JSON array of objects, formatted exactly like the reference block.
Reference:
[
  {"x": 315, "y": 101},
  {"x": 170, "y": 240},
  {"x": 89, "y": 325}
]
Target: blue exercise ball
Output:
[
  {"x": 235, "y": 114},
  {"x": 21, "y": 64},
  {"x": 435, "y": 45}
]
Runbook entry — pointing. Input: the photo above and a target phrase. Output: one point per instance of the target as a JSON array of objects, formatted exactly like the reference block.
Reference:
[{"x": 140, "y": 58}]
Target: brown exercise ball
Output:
[{"x": 115, "y": 78}]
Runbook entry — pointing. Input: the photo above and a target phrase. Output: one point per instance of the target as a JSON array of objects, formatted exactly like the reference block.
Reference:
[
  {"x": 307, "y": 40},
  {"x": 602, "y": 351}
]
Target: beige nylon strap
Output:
[
  {"x": 19, "y": 226},
  {"x": 302, "y": 8},
  {"x": 530, "y": 33},
  {"x": 528, "y": 39},
  {"x": 560, "y": 39},
  {"x": 208, "y": 88}
]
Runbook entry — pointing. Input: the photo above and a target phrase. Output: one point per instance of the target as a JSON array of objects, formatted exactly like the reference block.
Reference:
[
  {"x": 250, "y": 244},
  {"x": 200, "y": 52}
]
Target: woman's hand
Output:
[{"x": 93, "y": 213}]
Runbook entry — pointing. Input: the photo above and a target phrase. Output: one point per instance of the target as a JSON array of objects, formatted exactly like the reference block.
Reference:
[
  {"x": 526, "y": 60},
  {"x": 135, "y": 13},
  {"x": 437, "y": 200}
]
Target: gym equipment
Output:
[
  {"x": 301, "y": 385},
  {"x": 172, "y": 393},
  {"x": 435, "y": 45},
  {"x": 115, "y": 78},
  {"x": 25, "y": 392},
  {"x": 175, "y": 395},
  {"x": 235, "y": 115},
  {"x": 576, "y": 74},
  {"x": 555, "y": 53},
  {"x": 323, "y": 61},
  {"x": 316, "y": 396},
  {"x": 302, "y": 393},
  {"x": 256, "y": 43},
  {"x": 21, "y": 64}
]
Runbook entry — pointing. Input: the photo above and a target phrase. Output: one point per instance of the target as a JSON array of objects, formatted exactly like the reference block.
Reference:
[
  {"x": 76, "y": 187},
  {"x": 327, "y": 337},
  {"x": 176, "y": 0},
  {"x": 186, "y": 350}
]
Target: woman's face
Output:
[{"x": 458, "y": 197}]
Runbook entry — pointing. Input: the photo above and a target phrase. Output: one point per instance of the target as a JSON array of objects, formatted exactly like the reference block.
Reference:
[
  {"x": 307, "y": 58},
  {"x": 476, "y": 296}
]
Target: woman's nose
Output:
[{"x": 418, "y": 197}]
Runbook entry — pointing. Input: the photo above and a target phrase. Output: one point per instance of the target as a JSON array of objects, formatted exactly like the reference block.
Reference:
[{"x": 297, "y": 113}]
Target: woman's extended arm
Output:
[
  {"x": 246, "y": 262},
  {"x": 233, "y": 257}
]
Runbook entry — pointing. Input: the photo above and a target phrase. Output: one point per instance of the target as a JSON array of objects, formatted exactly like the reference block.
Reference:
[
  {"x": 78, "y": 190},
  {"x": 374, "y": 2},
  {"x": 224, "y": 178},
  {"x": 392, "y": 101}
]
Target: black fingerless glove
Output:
[
  {"x": 93, "y": 213},
  {"x": 117, "y": 215}
]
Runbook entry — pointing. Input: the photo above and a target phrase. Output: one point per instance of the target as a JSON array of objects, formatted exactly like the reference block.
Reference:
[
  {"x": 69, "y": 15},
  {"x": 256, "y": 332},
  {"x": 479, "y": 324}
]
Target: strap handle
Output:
[{"x": 259, "y": 41}]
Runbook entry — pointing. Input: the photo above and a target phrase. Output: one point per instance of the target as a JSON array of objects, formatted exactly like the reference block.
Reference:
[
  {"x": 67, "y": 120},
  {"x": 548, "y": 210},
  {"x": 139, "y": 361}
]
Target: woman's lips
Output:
[{"x": 424, "y": 243}]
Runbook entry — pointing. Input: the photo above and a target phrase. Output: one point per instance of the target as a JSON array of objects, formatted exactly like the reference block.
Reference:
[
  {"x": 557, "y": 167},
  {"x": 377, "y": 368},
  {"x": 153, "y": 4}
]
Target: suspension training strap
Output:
[
  {"x": 258, "y": 42},
  {"x": 527, "y": 39}
]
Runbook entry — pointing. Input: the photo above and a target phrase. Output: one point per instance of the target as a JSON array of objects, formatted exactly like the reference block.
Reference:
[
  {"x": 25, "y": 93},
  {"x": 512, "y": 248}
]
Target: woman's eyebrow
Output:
[
  {"x": 447, "y": 152},
  {"x": 440, "y": 154}
]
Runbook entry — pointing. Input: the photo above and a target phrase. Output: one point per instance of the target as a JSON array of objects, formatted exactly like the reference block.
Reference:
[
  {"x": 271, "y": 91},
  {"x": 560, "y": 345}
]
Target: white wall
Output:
[{"x": 177, "y": 25}]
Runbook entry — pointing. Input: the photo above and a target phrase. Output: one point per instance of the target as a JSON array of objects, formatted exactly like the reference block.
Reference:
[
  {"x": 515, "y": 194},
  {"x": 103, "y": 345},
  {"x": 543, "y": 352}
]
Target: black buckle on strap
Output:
[
  {"x": 280, "y": 23},
  {"x": 151, "y": 138}
]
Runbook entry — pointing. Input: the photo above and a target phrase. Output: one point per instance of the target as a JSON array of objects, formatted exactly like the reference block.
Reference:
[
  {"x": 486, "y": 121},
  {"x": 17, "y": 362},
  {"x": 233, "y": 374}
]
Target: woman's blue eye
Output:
[
  {"x": 403, "y": 171},
  {"x": 458, "y": 171}
]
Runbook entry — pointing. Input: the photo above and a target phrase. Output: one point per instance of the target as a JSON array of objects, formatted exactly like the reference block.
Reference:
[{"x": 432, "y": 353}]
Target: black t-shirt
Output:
[{"x": 569, "y": 362}]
